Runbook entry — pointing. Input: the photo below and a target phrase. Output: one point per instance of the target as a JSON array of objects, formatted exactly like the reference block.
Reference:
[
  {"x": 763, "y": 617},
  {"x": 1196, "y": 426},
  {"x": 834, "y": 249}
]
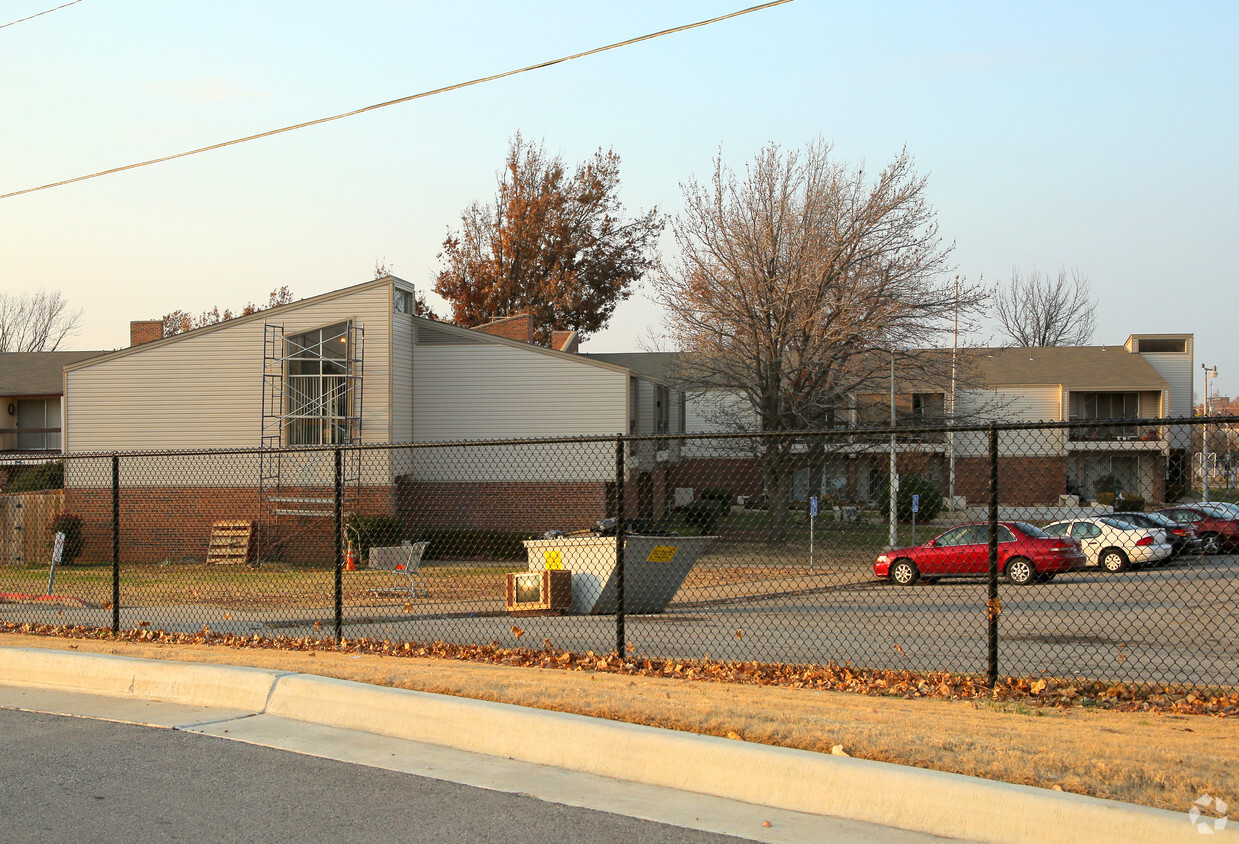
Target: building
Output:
[
  {"x": 352, "y": 367},
  {"x": 31, "y": 392},
  {"x": 1150, "y": 376}
]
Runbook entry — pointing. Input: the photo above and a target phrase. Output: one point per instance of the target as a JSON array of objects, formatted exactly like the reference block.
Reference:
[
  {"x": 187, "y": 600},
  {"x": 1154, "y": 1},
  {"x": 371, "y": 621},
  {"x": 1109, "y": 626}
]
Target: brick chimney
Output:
[
  {"x": 565, "y": 341},
  {"x": 517, "y": 327},
  {"x": 144, "y": 331}
]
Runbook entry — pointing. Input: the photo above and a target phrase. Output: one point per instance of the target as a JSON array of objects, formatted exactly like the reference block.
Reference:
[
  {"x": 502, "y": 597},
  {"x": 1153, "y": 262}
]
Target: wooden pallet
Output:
[{"x": 230, "y": 542}]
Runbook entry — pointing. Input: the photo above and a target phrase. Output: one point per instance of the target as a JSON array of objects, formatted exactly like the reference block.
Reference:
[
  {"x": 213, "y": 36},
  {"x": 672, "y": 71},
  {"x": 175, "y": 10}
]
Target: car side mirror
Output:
[{"x": 933, "y": 543}]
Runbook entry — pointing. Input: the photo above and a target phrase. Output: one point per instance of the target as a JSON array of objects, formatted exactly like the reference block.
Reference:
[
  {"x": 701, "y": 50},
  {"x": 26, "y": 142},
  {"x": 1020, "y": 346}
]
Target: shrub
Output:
[
  {"x": 70, "y": 524},
  {"x": 721, "y": 494},
  {"x": 368, "y": 531},
  {"x": 703, "y": 514},
  {"x": 931, "y": 501},
  {"x": 40, "y": 477},
  {"x": 1129, "y": 504},
  {"x": 473, "y": 544}
]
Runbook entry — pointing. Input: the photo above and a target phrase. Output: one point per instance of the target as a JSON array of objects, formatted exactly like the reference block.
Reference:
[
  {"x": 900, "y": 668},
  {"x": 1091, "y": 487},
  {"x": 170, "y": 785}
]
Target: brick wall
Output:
[
  {"x": 144, "y": 331},
  {"x": 519, "y": 327},
  {"x": 174, "y": 523},
  {"x": 742, "y": 475},
  {"x": 532, "y": 507},
  {"x": 1021, "y": 480}
]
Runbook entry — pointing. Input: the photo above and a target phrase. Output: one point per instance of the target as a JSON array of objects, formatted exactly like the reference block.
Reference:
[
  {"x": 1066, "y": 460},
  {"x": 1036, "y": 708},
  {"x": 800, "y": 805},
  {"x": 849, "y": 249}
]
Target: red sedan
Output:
[
  {"x": 1217, "y": 528},
  {"x": 1026, "y": 554}
]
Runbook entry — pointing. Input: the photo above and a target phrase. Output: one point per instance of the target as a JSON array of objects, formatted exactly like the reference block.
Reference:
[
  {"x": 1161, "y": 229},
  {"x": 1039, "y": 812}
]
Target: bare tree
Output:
[
  {"x": 178, "y": 322},
  {"x": 795, "y": 283},
  {"x": 1037, "y": 310},
  {"x": 36, "y": 322}
]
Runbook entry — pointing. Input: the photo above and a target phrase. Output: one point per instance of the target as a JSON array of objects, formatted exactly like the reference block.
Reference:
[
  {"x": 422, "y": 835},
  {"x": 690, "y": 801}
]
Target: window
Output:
[
  {"x": 663, "y": 406},
  {"x": 317, "y": 386},
  {"x": 1155, "y": 345},
  {"x": 36, "y": 414},
  {"x": 1087, "y": 406},
  {"x": 401, "y": 301}
]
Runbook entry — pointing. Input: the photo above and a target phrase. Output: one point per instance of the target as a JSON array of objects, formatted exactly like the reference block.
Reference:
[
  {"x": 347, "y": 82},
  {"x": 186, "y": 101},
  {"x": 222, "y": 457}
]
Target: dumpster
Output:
[{"x": 654, "y": 568}]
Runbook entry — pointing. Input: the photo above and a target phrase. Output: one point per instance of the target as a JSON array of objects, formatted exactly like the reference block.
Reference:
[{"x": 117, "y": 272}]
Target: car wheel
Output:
[
  {"x": 1211, "y": 543},
  {"x": 1021, "y": 571},
  {"x": 1113, "y": 560},
  {"x": 904, "y": 572}
]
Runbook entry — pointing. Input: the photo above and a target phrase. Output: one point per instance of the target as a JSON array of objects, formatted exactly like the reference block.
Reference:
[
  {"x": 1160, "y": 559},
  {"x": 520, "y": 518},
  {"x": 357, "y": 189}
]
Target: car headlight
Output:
[{"x": 884, "y": 558}]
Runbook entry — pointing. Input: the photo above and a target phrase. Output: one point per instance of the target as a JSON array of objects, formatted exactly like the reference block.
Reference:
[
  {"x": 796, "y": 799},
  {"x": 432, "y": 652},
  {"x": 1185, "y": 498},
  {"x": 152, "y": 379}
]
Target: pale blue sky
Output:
[{"x": 1102, "y": 138}]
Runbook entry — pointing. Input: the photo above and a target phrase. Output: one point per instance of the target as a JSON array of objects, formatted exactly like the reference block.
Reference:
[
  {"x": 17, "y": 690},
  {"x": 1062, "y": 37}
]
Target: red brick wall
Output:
[
  {"x": 519, "y": 327},
  {"x": 516, "y": 506},
  {"x": 741, "y": 475},
  {"x": 174, "y": 523},
  {"x": 1021, "y": 480},
  {"x": 144, "y": 331}
]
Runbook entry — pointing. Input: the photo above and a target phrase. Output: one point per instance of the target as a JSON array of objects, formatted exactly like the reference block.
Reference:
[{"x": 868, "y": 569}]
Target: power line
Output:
[
  {"x": 422, "y": 95},
  {"x": 37, "y": 14}
]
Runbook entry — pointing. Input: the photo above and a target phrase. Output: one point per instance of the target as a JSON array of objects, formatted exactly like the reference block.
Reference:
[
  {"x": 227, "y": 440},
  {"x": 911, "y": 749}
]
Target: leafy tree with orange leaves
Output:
[{"x": 554, "y": 244}]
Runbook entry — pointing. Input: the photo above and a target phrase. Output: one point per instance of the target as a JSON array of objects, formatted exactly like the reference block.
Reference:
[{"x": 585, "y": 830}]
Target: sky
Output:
[{"x": 1095, "y": 136}]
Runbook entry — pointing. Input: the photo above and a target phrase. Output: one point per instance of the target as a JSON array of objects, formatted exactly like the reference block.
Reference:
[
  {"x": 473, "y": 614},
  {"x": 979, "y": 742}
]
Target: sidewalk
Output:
[{"x": 787, "y": 780}]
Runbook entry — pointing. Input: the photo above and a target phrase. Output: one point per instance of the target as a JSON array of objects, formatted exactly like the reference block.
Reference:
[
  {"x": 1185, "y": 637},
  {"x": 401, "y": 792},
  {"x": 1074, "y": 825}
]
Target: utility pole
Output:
[{"x": 1204, "y": 436}]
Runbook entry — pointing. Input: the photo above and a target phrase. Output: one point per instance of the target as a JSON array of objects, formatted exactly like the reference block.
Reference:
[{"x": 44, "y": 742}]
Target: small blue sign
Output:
[
  {"x": 813, "y": 506},
  {"x": 916, "y": 503}
]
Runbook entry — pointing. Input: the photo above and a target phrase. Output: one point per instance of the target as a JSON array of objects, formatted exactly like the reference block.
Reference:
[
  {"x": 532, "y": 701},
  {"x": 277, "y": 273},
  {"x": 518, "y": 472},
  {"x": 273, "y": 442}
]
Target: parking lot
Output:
[{"x": 1177, "y": 624}]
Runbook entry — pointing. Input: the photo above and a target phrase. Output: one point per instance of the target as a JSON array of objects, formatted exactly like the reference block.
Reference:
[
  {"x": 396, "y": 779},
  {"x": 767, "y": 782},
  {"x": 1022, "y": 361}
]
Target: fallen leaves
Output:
[{"x": 831, "y": 676}]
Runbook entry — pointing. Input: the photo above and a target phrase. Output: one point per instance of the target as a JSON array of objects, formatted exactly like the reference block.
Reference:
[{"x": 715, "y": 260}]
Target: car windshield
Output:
[{"x": 1030, "y": 530}]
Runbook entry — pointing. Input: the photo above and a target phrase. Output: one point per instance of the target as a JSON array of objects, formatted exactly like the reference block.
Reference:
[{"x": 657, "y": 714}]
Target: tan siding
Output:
[
  {"x": 481, "y": 392},
  {"x": 1012, "y": 404},
  {"x": 205, "y": 390},
  {"x": 494, "y": 392}
]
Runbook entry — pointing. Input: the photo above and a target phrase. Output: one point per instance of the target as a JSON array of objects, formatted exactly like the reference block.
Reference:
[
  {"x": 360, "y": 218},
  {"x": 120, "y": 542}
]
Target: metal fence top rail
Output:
[{"x": 785, "y": 436}]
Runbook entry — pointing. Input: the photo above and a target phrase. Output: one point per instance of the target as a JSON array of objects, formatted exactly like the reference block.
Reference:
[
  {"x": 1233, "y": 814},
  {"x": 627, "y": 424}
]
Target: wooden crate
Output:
[
  {"x": 553, "y": 595},
  {"x": 230, "y": 543}
]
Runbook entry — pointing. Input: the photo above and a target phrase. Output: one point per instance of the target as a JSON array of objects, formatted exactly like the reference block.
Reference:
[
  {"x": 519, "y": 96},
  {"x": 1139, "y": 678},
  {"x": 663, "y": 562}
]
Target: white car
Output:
[{"x": 1113, "y": 544}]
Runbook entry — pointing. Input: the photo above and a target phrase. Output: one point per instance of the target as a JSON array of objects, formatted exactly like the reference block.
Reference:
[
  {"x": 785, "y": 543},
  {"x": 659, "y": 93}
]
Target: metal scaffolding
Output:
[{"x": 311, "y": 395}]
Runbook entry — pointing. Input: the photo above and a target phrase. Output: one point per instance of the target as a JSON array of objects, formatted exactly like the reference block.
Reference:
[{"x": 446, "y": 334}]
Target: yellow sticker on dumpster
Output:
[
  {"x": 554, "y": 559},
  {"x": 662, "y": 553}
]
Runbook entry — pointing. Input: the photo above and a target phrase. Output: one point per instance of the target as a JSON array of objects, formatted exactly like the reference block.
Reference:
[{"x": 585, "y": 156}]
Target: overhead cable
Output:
[
  {"x": 422, "y": 95},
  {"x": 38, "y": 14}
]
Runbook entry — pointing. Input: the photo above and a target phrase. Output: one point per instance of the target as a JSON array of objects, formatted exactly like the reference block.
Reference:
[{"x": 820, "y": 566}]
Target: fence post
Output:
[
  {"x": 992, "y": 606},
  {"x": 115, "y": 543},
  {"x": 619, "y": 547},
  {"x": 339, "y": 523}
]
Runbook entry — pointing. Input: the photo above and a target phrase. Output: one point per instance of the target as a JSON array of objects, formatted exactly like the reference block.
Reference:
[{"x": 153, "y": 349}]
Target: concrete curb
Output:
[{"x": 892, "y": 795}]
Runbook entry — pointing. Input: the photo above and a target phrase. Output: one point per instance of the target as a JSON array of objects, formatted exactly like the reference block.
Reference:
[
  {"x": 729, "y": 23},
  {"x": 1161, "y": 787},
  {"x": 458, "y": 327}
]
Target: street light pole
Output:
[
  {"x": 1204, "y": 436},
  {"x": 894, "y": 480}
]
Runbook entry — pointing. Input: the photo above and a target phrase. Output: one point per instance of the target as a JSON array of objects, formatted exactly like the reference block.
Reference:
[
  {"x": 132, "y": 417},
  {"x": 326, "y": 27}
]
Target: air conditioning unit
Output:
[{"x": 541, "y": 592}]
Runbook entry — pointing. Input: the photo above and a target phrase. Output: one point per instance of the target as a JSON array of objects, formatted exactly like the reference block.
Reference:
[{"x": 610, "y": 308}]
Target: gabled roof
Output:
[
  {"x": 1074, "y": 367},
  {"x": 656, "y": 365},
  {"x": 263, "y": 314},
  {"x": 37, "y": 373},
  {"x": 470, "y": 335}
]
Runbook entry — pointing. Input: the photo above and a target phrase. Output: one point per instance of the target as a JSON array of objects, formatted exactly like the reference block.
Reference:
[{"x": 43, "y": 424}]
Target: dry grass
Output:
[{"x": 1160, "y": 760}]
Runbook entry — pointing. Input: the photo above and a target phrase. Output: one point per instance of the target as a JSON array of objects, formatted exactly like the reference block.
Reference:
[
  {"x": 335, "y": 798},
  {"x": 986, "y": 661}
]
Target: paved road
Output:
[
  {"x": 77, "y": 779},
  {"x": 1173, "y": 624}
]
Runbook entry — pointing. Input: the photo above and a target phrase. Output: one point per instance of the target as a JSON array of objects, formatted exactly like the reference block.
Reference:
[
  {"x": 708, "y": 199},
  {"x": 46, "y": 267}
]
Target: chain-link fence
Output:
[{"x": 1082, "y": 549}]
